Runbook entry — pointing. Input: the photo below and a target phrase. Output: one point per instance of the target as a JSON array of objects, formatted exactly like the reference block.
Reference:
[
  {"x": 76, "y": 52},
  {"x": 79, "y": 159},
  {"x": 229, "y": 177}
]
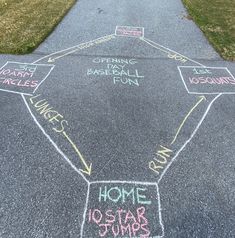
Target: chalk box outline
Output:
[
  {"x": 142, "y": 28},
  {"x": 12, "y": 91},
  {"x": 124, "y": 182},
  {"x": 190, "y": 92}
]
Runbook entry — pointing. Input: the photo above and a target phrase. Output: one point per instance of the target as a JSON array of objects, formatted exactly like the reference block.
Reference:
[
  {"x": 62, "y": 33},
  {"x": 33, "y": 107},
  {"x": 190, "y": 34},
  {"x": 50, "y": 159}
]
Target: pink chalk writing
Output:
[
  {"x": 134, "y": 33},
  {"x": 23, "y": 78},
  {"x": 15, "y": 73},
  {"x": 211, "y": 80},
  {"x": 19, "y": 82},
  {"x": 130, "y": 31},
  {"x": 120, "y": 222},
  {"x": 18, "y": 77}
]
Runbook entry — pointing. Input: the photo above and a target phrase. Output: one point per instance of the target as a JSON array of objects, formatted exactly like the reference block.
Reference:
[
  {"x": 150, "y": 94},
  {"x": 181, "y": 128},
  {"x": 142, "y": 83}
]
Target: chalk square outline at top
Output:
[
  {"x": 203, "y": 67},
  {"x": 142, "y": 28},
  {"x": 29, "y": 94}
]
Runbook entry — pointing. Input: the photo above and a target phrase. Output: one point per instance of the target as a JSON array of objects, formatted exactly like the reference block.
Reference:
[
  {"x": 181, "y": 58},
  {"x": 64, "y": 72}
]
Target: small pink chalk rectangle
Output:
[{"x": 129, "y": 31}]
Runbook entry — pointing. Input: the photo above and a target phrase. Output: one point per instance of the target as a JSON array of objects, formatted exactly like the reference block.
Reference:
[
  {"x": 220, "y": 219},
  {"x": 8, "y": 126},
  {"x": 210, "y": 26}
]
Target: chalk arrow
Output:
[
  {"x": 88, "y": 168},
  {"x": 201, "y": 98},
  {"x": 77, "y": 47},
  {"x": 50, "y": 60}
]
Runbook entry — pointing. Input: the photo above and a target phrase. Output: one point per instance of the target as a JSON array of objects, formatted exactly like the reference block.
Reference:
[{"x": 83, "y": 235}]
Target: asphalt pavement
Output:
[{"x": 120, "y": 124}]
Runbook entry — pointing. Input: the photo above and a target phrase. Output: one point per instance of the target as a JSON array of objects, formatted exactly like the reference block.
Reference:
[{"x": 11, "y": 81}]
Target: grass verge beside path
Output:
[
  {"x": 25, "y": 24},
  {"x": 216, "y": 18}
]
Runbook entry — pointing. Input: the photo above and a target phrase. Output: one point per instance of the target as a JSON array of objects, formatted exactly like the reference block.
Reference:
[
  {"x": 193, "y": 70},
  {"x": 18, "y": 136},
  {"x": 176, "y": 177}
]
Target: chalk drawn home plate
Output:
[
  {"x": 122, "y": 209},
  {"x": 23, "y": 78},
  {"x": 207, "y": 80}
]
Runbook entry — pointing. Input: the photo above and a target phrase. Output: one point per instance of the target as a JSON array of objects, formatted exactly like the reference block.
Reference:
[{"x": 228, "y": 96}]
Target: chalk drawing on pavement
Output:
[
  {"x": 23, "y": 78},
  {"x": 122, "y": 208},
  {"x": 129, "y": 31},
  {"x": 207, "y": 80},
  {"x": 121, "y": 71},
  {"x": 58, "y": 124}
]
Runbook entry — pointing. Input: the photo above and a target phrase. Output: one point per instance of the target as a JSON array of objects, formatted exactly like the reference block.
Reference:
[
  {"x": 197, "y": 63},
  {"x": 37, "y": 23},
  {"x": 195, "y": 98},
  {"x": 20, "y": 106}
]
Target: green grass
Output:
[
  {"x": 216, "y": 18},
  {"x": 25, "y": 24}
]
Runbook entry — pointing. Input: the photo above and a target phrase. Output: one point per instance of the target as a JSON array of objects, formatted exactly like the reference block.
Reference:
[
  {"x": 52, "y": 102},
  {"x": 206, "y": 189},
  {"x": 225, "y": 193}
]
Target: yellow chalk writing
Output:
[
  {"x": 159, "y": 162},
  {"x": 59, "y": 125}
]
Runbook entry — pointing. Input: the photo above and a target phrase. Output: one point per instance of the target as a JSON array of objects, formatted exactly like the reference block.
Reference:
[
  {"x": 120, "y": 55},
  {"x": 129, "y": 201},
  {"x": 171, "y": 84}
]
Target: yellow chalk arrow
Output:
[
  {"x": 201, "y": 98},
  {"x": 87, "y": 167}
]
